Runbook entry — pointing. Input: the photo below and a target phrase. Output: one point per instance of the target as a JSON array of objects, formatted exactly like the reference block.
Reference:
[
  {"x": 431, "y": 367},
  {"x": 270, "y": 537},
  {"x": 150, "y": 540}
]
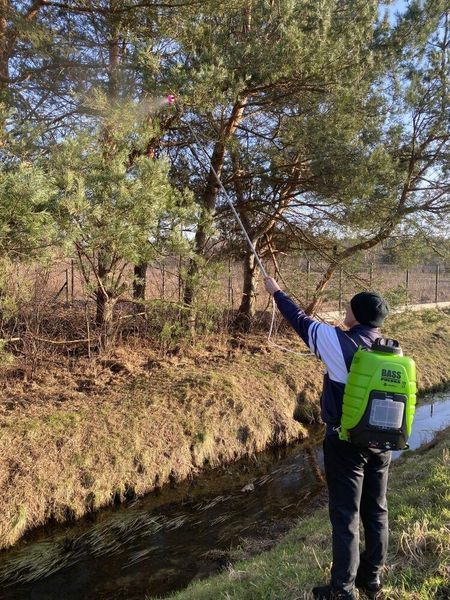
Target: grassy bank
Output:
[
  {"x": 87, "y": 432},
  {"x": 65, "y": 451},
  {"x": 419, "y": 559}
]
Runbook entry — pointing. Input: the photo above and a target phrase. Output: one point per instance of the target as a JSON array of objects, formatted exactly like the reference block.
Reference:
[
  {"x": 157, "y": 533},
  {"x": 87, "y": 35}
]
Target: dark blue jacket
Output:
[{"x": 334, "y": 347}]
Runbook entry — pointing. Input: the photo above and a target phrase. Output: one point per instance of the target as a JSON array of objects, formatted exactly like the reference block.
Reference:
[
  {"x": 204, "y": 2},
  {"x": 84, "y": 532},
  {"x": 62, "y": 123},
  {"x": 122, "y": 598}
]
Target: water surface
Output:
[{"x": 160, "y": 543}]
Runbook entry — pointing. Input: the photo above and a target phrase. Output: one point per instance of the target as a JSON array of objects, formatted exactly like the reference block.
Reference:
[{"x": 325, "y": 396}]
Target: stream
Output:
[{"x": 158, "y": 544}]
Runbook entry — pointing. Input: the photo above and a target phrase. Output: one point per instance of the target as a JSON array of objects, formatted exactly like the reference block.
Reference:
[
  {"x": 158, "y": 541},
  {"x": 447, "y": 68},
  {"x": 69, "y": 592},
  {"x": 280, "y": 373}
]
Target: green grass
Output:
[{"x": 419, "y": 559}]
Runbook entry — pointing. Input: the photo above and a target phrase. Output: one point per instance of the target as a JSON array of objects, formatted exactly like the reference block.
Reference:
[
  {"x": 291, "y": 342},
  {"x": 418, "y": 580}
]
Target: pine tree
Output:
[
  {"x": 403, "y": 175},
  {"x": 111, "y": 209},
  {"x": 258, "y": 73}
]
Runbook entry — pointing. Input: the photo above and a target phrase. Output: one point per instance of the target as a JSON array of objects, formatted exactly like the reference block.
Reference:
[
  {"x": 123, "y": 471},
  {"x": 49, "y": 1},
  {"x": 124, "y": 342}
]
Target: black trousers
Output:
[{"x": 357, "y": 482}]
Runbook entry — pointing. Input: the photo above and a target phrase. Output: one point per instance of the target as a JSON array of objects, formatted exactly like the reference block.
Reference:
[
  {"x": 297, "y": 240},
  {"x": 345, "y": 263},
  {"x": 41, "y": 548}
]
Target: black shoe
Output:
[
  {"x": 371, "y": 589},
  {"x": 322, "y": 592},
  {"x": 326, "y": 592}
]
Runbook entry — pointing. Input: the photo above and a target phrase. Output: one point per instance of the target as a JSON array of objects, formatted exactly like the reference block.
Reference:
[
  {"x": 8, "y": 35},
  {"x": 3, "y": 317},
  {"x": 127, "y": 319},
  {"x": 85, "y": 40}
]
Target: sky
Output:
[{"x": 396, "y": 7}]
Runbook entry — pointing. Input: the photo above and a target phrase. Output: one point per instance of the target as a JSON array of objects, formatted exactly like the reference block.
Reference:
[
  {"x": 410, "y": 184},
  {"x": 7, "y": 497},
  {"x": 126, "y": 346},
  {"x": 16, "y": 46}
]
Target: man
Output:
[{"x": 356, "y": 477}]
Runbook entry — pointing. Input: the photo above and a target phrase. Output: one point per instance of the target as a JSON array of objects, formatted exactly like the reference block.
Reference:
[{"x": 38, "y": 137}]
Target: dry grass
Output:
[
  {"x": 83, "y": 433},
  {"x": 425, "y": 336},
  {"x": 77, "y": 438},
  {"x": 419, "y": 539}
]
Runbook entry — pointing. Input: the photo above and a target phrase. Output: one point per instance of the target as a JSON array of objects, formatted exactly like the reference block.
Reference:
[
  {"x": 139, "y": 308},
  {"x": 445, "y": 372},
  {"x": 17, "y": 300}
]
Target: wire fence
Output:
[{"x": 222, "y": 283}]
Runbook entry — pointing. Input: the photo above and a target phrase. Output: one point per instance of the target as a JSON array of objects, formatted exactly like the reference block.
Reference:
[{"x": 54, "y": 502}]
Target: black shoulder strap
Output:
[{"x": 351, "y": 339}]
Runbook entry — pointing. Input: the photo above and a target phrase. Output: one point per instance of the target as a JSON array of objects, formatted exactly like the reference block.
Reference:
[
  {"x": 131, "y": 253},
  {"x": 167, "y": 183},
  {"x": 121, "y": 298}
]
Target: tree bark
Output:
[
  {"x": 208, "y": 202},
  {"x": 102, "y": 295},
  {"x": 105, "y": 298},
  {"x": 4, "y": 45},
  {"x": 105, "y": 319},
  {"x": 4, "y": 61},
  {"x": 246, "y": 311},
  {"x": 140, "y": 281},
  {"x": 105, "y": 301}
]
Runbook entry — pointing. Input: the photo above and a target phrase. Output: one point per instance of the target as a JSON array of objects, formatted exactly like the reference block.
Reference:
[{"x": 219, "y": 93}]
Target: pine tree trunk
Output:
[
  {"x": 199, "y": 243},
  {"x": 140, "y": 281},
  {"x": 246, "y": 311},
  {"x": 105, "y": 319},
  {"x": 105, "y": 299},
  {"x": 4, "y": 58},
  {"x": 208, "y": 202},
  {"x": 105, "y": 302},
  {"x": 320, "y": 288}
]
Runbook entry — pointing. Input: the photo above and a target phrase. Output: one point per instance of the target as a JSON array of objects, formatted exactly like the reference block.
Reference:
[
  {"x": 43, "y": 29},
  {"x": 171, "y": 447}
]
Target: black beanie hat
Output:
[{"x": 369, "y": 308}]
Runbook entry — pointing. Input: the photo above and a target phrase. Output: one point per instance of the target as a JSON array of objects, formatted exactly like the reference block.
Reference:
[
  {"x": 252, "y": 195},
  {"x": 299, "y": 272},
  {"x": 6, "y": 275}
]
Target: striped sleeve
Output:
[
  {"x": 296, "y": 317},
  {"x": 322, "y": 339},
  {"x": 324, "y": 342}
]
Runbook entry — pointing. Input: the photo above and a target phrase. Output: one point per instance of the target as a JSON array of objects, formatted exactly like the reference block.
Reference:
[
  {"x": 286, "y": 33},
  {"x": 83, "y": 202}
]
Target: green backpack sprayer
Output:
[{"x": 379, "y": 397}]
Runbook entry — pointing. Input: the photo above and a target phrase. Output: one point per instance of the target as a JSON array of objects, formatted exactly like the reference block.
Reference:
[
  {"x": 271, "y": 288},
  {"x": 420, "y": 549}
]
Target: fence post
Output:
[
  {"x": 340, "y": 290},
  {"x": 407, "y": 287},
  {"x": 436, "y": 290},
  {"x": 72, "y": 280},
  {"x": 163, "y": 274},
  {"x": 308, "y": 271},
  {"x": 230, "y": 285},
  {"x": 67, "y": 287},
  {"x": 180, "y": 279}
]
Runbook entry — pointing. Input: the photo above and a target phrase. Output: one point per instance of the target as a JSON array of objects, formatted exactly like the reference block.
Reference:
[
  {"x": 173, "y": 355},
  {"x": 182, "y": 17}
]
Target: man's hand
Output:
[{"x": 271, "y": 285}]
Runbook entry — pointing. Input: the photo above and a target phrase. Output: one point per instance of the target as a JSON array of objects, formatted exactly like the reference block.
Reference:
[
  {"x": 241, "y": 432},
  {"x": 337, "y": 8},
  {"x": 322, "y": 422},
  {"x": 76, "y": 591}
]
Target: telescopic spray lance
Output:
[{"x": 171, "y": 101}]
